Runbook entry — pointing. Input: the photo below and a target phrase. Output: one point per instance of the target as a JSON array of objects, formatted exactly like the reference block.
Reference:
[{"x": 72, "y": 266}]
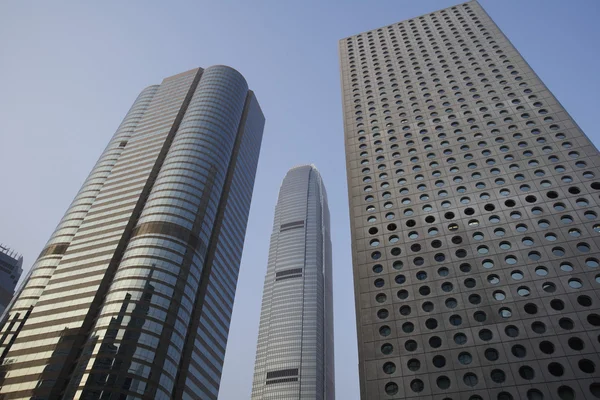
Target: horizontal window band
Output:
[
  {"x": 57, "y": 248},
  {"x": 282, "y": 373},
  {"x": 283, "y": 380},
  {"x": 291, "y": 225},
  {"x": 288, "y": 272},
  {"x": 170, "y": 229}
]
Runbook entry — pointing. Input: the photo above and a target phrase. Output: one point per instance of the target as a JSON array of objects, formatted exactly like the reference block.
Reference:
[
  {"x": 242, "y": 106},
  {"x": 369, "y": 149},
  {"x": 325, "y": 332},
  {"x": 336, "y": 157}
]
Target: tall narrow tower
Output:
[
  {"x": 132, "y": 295},
  {"x": 294, "y": 356},
  {"x": 474, "y": 204}
]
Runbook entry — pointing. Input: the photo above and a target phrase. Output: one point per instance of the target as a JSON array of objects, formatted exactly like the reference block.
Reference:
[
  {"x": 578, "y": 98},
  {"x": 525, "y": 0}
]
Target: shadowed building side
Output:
[{"x": 11, "y": 268}]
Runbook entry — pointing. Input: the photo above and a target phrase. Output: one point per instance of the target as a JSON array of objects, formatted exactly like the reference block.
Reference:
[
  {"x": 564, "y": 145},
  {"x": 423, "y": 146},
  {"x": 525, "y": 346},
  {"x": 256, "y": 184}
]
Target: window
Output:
[
  {"x": 470, "y": 379},
  {"x": 465, "y": 358}
]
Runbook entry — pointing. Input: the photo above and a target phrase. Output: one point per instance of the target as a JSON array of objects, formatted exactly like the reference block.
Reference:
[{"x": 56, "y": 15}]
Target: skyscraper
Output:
[
  {"x": 131, "y": 298},
  {"x": 474, "y": 214},
  {"x": 294, "y": 356},
  {"x": 11, "y": 269}
]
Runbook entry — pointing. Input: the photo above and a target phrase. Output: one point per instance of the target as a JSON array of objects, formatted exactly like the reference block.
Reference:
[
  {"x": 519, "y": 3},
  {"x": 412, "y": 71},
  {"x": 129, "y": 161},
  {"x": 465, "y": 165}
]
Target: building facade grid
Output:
[{"x": 474, "y": 202}]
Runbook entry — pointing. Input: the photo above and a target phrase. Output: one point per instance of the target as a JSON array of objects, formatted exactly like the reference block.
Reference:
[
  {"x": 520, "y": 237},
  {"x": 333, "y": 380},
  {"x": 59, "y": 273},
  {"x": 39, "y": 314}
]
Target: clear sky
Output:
[{"x": 69, "y": 71}]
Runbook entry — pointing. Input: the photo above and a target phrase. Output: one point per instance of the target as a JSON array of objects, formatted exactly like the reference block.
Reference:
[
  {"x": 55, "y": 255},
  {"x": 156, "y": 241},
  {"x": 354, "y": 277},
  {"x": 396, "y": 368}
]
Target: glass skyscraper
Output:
[
  {"x": 294, "y": 356},
  {"x": 11, "y": 269},
  {"x": 474, "y": 203},
  {"x": 131, "y": 298}
]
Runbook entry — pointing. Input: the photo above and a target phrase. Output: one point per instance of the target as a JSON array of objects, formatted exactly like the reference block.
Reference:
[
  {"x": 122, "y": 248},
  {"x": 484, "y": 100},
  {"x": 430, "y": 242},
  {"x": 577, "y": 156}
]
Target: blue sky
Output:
[{"x": 69, "y": 71}]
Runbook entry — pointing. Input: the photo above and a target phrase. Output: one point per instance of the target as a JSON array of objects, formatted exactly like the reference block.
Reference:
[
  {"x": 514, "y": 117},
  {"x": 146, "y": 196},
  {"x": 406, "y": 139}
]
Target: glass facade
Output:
[
  {"x": 294, "y": 356},
  {"x": 474, "y": 203},
  {"x": 114, "y": 304}
]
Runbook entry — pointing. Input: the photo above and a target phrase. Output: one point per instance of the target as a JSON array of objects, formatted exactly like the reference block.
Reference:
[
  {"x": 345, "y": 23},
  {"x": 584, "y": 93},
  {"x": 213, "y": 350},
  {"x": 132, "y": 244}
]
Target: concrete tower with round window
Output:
[{"x": 476, "y": 249}]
